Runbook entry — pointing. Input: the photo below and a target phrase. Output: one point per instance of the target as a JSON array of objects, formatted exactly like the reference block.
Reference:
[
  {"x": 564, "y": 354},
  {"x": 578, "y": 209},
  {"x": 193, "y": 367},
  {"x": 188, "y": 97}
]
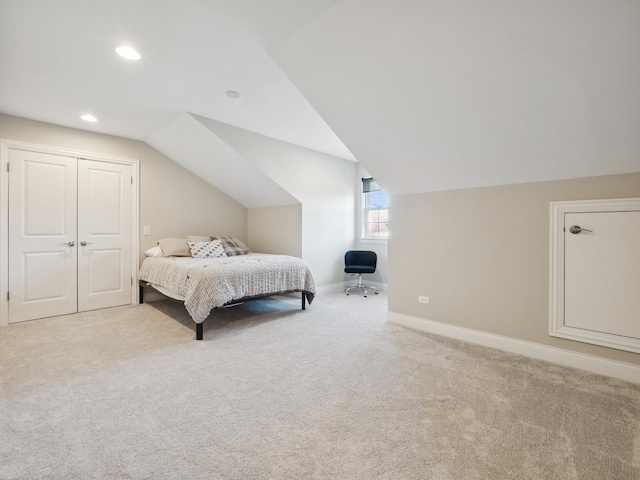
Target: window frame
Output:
[{"x": 364, "y": 213}]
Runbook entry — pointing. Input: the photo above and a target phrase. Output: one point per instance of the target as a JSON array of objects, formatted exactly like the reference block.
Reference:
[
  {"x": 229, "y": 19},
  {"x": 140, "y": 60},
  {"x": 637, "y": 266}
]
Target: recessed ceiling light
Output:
[
  {"x": 232, "y": 94},
  {"x": 89, "y": 118},
  {"x": 128, "y": 53}
]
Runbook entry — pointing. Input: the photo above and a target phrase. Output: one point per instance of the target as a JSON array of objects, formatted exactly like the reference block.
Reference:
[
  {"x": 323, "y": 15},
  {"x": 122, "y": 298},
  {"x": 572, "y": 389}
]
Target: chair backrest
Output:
[{"x": 360, "y": 257}]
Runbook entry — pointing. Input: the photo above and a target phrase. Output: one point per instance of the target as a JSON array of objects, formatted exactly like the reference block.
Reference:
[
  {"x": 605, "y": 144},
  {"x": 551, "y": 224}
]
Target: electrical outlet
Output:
[
  {"x": 147, "y": 229},
  {"x": 422, "y": 299}
]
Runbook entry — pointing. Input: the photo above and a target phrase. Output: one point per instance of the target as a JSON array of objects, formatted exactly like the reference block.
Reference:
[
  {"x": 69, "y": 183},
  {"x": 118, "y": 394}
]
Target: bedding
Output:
[
  {"x": 208, "y": 283},
  {"x": 232, "y": 246},
  {"x": 153, "y": 252},
  {"x": 212, "y": 249}
]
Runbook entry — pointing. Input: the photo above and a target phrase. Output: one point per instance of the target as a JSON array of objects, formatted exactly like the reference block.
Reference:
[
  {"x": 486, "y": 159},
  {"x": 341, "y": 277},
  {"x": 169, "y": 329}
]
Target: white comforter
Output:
[{"x": 207, "y": 283}]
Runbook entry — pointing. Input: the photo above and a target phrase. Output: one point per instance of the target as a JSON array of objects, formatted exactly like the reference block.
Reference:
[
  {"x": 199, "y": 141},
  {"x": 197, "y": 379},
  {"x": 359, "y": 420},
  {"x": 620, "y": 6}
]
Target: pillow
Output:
[
  {"x": 174, "y": 247},
  {"x": 198, "y": 238},
  {"x": 154, "y": 252},
  {"x": 212, "y": 249},
  {"x": 232, "y": 246}
]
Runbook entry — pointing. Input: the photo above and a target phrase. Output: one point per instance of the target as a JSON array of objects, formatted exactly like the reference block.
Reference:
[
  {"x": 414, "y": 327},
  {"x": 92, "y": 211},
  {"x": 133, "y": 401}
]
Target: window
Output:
[{"x": 375, "y": 210}]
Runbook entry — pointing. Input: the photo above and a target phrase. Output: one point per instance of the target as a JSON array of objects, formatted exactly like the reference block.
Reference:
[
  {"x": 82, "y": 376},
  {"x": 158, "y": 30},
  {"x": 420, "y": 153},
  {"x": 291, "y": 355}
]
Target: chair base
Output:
[{"x": 362, "y": 286}]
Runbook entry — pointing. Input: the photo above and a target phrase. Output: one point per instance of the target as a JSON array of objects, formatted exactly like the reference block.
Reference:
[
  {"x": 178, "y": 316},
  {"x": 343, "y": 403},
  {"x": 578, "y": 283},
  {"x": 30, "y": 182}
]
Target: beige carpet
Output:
[{"x": 273, "y": 392}]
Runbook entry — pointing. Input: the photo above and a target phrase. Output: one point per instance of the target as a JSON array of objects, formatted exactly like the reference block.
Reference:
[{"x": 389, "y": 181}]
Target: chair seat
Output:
[{"x": 359, "y": 269}]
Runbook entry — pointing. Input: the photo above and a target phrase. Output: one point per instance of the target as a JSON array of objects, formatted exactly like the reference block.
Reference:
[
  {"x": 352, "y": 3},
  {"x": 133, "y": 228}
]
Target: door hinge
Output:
[
  {"x": 131, "y": 280},
  {"x": 8, "y": 167},
  {"x": 131, "y": 180},
  {"x": 7, "y": 296}
]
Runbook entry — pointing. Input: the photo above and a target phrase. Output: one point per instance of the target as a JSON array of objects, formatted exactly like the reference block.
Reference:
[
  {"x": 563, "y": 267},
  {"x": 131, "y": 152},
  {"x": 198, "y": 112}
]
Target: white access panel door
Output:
[
  {"x": 42, "y": 235},
  {"x": 602, "y": 272},
  {"x": 104, "y": 234}
]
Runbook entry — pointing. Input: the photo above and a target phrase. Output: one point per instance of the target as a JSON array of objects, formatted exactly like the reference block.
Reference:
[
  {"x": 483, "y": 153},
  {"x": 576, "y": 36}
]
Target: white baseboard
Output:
[{"x": 590, "y": 363}]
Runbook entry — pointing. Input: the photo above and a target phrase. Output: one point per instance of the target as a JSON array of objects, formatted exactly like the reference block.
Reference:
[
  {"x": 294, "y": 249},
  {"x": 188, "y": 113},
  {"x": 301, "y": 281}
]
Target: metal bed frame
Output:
[{"x": 199, "y": 327}]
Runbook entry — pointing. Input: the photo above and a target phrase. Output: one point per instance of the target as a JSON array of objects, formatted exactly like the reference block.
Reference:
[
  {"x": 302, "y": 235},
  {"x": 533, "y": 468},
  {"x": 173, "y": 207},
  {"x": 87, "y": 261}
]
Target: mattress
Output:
[{"x": 208, "y": 283}]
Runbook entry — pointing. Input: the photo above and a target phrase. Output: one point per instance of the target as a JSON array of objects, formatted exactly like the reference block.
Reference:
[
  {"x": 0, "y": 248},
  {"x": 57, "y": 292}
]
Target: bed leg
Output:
[
  {"x": 198, "y": 331},
  {"x": 304, "y": 306},
  {"x": 141, "y": 295}
]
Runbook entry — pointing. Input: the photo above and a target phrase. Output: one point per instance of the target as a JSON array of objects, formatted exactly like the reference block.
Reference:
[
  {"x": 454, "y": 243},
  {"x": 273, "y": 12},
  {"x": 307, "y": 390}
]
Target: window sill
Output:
[{"x": 374, "y": 241}]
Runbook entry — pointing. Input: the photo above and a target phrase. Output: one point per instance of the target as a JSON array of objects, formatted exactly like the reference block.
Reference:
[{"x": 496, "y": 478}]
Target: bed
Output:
[{"x": 208, "y": 283}]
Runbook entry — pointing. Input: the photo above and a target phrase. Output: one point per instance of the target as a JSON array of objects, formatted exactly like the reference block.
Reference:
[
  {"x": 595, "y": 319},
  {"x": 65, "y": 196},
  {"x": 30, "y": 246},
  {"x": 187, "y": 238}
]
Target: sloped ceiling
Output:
[
  {"x": 427, "y": 95},
  {"x": 304, "y": 173},
  {"x": 189, "y": 142},
  {"x": 436, "y": 95},
  {"x": 58, "y": 61},
  {"x": 255, "y": 170}
]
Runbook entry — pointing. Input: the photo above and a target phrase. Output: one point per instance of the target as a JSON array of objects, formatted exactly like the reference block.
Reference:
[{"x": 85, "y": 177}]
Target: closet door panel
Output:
[
  {"x": 42, "y": 235},
  {"x": 104, "y": 234}
]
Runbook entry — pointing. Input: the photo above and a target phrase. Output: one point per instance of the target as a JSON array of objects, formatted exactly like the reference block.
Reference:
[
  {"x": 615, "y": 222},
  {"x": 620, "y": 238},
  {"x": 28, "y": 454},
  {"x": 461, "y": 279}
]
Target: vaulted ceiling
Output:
[
  {"x": 58, "y": 62},
  {"x": 437, "y": 95},
  {"x": 428, "y": 95}
]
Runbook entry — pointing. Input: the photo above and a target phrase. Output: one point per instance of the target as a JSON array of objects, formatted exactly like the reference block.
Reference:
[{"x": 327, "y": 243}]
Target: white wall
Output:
[
  {"x": 323, "y": 185},
  {"x": 378, "y": 279}
]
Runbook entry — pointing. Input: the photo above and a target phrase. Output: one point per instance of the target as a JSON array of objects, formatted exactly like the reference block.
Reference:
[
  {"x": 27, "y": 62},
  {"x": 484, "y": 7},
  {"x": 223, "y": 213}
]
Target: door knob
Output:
[
  {"x": 84, "y": 244},
  {"x": 576, "y": 229},
  {"x": 69, "y": 244}
]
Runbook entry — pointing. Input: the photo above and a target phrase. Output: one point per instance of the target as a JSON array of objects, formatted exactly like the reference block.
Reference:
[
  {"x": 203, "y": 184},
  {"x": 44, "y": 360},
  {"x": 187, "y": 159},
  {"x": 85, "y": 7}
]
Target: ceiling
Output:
[
  {"x": 58, "y": 61},
  {"x": 441, "y": 95},
  {"x": 428, "y": 95}
]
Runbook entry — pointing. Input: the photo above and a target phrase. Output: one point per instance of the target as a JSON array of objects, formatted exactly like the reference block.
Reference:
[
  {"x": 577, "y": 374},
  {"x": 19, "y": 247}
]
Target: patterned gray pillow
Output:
[
  {"x": 232, "y": 246},
  {"x": 212, "y": 249}
]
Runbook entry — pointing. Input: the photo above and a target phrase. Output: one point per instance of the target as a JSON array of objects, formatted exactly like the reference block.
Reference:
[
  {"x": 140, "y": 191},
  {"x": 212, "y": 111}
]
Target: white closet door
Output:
[
  {"x": 104, "y": 234},
  {"x": 602, "y": 272},
  {"x": 42, "y": 235}
]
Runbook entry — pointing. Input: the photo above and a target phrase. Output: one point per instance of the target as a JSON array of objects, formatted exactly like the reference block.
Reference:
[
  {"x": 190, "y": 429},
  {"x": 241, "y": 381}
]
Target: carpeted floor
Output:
[{"x": 272, "y": 392}]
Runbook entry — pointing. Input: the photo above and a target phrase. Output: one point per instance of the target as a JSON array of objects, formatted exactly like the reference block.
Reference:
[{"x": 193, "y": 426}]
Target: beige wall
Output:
[
  {"x": 482, "y": 256},
  {"x": 276, "y": 230},
  {"x": 173, "y": 201}
]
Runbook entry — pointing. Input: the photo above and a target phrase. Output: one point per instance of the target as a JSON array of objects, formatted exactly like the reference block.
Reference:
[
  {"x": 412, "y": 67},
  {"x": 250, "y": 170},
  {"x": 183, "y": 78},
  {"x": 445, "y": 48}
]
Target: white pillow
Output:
[
  {"x": 154, "y": 252},
  {"x": 212, "y": 249}
]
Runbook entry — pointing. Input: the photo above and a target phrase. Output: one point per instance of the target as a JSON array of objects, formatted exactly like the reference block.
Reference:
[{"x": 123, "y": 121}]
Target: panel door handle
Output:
[
  {"x": 84, "y": 244},
  {"x": 576, "y": 229},
  {"x": 69, "y": 244}
]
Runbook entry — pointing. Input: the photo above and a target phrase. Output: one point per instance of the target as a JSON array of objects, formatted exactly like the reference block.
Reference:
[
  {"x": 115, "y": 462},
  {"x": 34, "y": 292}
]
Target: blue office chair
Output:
[{"x": 360, "y": 261}]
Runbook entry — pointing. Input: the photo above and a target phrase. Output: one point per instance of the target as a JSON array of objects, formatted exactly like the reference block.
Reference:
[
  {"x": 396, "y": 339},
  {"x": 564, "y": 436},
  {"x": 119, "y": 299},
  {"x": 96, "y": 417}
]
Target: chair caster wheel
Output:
[{"x": 377, "y": 293}]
